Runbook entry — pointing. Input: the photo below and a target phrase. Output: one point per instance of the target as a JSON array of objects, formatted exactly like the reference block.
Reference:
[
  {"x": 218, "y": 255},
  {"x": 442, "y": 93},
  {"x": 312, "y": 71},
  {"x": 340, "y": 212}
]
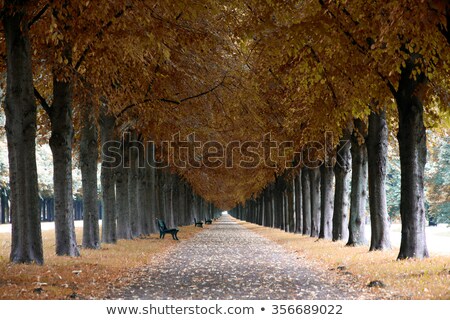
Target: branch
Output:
[
  {"x": 42, "y": 101},
  {"x": 177, "y": 102},
  {"x": 342, "y": 28},
  {"x": 97, "y": 36},
  {"x": 388, "y": 83},
  {"x": 329, "y": 84},
  {"x": 205, "y": 92},
  {"x": 38, "y": 15},
  {"x": 360, "y": 48},
  {"x": 445, "y": 29}
]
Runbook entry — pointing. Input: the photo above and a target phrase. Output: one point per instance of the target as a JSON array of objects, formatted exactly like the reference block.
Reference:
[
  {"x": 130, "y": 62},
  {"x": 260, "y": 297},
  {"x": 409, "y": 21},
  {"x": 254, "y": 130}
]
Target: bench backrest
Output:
[{"x": 161, "y": 225}]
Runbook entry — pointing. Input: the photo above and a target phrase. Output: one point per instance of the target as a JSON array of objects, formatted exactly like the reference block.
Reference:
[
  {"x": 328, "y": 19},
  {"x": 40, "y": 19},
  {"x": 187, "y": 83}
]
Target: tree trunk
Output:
[
  {"x": 290, "y": 204},
  {"x": 326, "y": 202},
  {"x": 306, "y": 197},
  {"x": 20, "y": 111},
  {"x": 143, "y": 197},
  {"x": 342, "y": 170},
  {"x": 151, "y": 190},
  {"x": 413, "y": 152},
  {"x": 135, "y": 219},
  {"x": 109, "y": 228},
  {"x": 377, "y": 146},
  {"x": 298, "y": 203},
  {"x": 61, "y": 145},
  {"x": 122, "y": 207},
  {"x": 314, "y": 176},
  {"x": 88, "y": 161},
  {"x": 359, "y": 183}
]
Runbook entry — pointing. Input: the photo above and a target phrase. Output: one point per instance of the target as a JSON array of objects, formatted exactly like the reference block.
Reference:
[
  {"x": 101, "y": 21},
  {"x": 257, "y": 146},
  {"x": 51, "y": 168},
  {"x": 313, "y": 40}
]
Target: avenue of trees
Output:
[{"x": 78, "y": 74}]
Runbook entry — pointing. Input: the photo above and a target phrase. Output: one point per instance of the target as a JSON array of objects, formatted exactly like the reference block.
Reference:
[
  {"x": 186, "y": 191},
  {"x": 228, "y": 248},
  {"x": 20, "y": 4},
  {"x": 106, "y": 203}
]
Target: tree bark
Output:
[
  {"x": 342, "y": 170},
  {"x": 314, "y": 176},
  {"x": 88, "y": 161},
  {"x": 20, "y": 111},
  {"x": 377, "y": 146},
  {"x": 122, "y": 203},
  {"x": 326, "y": 202},
  {"x": 359, "y": 183},
  {"x": 143, "y": 196},
  {"x": 109, "y": 228},
  {"x": 298, "y": 202},
  {"x": 290, "y": 205},
  {"x": 135, "y": 219},
  {"x": 61, "y": 146},
  {"x": 413, "y": 152},
  {"x": 151, "y": 190},
  {"x": 306, "y": 197}
]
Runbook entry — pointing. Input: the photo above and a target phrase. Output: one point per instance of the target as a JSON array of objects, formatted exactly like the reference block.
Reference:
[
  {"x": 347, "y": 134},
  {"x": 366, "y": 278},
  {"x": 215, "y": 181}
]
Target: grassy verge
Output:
[
  {"x": 407, "y": 279},
  {"x": 86, "y": 277}
]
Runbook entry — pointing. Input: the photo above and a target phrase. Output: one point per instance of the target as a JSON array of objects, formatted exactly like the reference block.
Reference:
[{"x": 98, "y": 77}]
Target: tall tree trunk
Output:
[
  {"x": 290, "y": 204},
  {"x": 306, "y": 197},
  {"x": 279, "y": 190},
  {"x": 135, "y": 219},
  {"x": 61, "y": 146},
  {"x": 88, "y": 161},
  {"x": 109, "y": 228},
  {"x": 298, "y": 203},
  {"x": 122, "y": 203},
  {"x": 342, "y": 170},
  {"x": 143, "y": 197},
  {"x": 377, "y": 146},
  {"x": 359, "y": 183},
  {"x": 151, "y": 189},
  {"x": 314, "y": 176},
  {"x": 413, "y": 153},
  {"x": 326, "y": 202},
  {"x": 20, "y": 111}
]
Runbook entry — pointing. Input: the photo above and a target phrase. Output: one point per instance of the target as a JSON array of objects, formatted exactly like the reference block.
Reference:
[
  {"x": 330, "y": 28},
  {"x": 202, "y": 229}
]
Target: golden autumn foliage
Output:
[{"x": 234, "y": 71}]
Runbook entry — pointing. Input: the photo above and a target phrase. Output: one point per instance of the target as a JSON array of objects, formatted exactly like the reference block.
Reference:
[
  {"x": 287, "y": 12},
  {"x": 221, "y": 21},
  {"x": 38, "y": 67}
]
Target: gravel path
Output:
[{"x": 227, "y": 261}]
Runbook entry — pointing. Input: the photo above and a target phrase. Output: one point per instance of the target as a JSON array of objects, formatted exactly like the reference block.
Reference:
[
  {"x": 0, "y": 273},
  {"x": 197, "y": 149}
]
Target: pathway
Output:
[{"x": 227, "y": 261}]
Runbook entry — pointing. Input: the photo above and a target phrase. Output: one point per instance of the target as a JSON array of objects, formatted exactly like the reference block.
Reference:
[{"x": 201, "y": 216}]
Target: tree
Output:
[
  {"x": 88, "y": 160},
  {"x": 109, "y": 228},
  {"x": 314, "y": 176},
  {"x": 377, "y": 144},
  {"x": 20, "y": 112},
  {"x": 357, "y": 219},
  {"x": 342, "y": 169},
  {"x": 326, "y": 201}
]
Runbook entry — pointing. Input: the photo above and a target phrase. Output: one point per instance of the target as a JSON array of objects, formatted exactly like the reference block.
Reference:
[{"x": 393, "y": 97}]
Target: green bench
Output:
[
  {"x": 208, "y": 221},
  {"x": 163, "y": 230}
]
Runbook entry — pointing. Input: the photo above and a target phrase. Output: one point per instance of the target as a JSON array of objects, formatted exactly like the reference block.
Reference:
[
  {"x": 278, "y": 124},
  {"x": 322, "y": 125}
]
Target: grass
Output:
[
  {"x": 406, "y": 279},
  {"x": 89, "y": 276}
]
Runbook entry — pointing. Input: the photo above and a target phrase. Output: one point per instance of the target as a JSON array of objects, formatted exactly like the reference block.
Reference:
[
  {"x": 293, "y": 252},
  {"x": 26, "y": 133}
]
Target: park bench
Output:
[
  {"x": 163, "y": 230},
  {"x": 432, "y": 222},
  {"x": 198, "y": 223},
  {"x": 208, "y": 221}
]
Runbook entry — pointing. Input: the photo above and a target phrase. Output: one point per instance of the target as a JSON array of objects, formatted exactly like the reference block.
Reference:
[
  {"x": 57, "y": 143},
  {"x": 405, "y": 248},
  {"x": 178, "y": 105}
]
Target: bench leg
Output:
[{"x": 174, "y": 236}]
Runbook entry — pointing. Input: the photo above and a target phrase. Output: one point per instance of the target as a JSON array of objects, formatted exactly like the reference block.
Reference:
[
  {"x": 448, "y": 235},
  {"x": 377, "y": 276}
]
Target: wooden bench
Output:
[
  {"x": 198, "y": 223},
  {"x": 208, "y": 221},
  {"x": 163, "y": 230}
]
